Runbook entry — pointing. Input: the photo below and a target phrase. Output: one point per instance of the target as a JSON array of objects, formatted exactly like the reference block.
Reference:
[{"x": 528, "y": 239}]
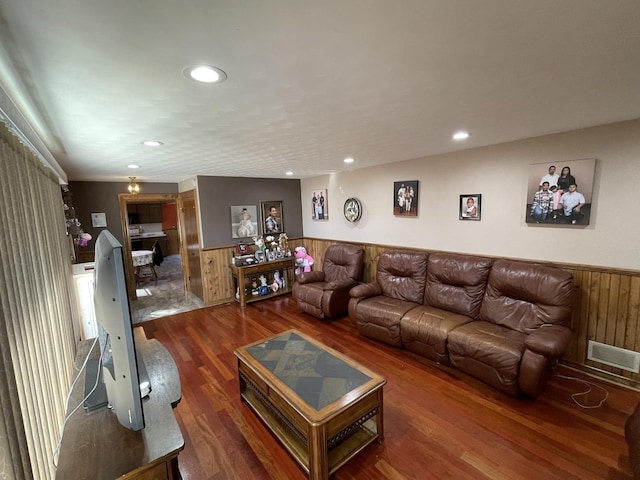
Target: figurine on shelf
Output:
[
  {"x": 278, "y": 279},
  {"x": 283, "y": 244},
  {"x": 263, "y": 289},
  {"x": 254, "y": 287}
]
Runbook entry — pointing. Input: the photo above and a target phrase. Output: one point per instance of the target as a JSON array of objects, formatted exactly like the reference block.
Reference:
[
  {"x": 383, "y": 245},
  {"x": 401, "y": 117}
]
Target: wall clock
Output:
[{"x": 352, "y": 209}]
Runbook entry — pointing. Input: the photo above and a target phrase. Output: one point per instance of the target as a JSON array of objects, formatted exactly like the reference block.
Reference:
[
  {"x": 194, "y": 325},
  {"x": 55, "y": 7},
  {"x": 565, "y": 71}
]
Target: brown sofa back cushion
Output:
[
  {"x": 457, "y": 282},
  {"x": 524, "y": 296},
  {"x": 402, "y": 274},
  {"x": 342, "y": 261}
]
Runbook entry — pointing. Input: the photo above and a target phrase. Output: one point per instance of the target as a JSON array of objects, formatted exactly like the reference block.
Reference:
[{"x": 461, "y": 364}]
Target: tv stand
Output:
[{"x": 96, "y": 447}]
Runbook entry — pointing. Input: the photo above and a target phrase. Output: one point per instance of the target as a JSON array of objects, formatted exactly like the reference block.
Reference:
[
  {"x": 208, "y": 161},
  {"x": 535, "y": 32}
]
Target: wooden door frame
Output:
[
  {"x": 124, "y": 199},
  {"x": 184, "y": 253}
]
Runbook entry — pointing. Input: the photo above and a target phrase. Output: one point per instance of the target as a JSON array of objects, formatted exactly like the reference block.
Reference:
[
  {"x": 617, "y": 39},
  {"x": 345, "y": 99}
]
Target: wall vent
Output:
[{"x": 614, "y": 356}]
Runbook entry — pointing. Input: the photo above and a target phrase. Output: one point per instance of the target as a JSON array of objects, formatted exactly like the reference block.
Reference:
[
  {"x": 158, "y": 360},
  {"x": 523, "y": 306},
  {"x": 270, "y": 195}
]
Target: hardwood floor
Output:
[{"x": 439, "y": 423}]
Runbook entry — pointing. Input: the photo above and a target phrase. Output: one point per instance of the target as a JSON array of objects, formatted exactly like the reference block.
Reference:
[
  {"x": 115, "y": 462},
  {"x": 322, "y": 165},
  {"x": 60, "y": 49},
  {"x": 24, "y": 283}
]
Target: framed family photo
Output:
[
  {"x": 470, "y": 205},
  {"x": 319, "y": 205},
  {"x": 405, "y": 198},
  {"x": 272, "y": 217},
  {"x": 560, "y": 193},
  {"x": 244, "y": 221}
]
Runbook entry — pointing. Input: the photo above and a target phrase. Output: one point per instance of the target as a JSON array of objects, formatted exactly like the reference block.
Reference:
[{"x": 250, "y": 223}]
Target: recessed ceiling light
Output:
[
  {"x": 152, "y": 143},
  {"x": 461, "y": 135},
  {"x": 204, "y": 74},
  {"x": 289, "y": 173},
  {"x": 348, "y": 160},
  {"x": 133, "y": 166}
]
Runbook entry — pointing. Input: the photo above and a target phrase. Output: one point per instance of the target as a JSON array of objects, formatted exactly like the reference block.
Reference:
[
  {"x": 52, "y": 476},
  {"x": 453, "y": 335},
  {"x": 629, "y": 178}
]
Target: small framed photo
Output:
[
  {"x": 272, "y": 217},
  {"x": 405, "y": 198},
  {"x": 319, "y": 205},
  {"x": 242, "y": 249},
  {"x": 244, "y": 221},
  {"x": 99, "y": 219},
  {"x": 470, "y": 205},
  {"x": 271, "y": 255}
]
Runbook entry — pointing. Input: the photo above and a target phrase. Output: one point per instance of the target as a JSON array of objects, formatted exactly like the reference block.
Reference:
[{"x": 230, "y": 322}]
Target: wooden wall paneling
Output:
[{"x": 632, "y": 332}]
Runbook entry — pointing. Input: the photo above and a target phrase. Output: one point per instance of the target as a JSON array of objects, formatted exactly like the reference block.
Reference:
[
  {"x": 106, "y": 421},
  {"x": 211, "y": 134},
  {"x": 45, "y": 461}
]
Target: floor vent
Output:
[{"x": 614, "y": 356}]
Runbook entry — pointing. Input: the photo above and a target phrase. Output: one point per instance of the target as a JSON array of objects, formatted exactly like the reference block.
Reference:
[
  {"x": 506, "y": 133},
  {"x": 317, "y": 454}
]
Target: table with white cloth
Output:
[{"x": 143, "y": 265}]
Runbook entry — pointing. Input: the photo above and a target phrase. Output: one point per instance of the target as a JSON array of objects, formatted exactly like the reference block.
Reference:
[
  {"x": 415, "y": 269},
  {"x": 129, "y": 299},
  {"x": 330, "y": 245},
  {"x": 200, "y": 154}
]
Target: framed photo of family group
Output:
[
  {"x": 319, "y": 205},
  {"x": 405, "y": 198}
]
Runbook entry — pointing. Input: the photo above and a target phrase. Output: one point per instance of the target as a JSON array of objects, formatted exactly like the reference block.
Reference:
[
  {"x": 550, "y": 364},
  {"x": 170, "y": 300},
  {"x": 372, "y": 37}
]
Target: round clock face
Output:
[{"x": 352, "y": 209}]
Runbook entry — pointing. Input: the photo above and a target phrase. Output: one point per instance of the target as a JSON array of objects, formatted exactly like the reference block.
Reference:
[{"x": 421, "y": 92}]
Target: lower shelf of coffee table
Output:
[{"x": 358, "y": 438}]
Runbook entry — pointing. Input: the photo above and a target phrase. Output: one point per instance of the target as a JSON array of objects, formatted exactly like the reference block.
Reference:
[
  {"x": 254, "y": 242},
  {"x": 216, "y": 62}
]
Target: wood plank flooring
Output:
[{"x": 439, "y": 423}]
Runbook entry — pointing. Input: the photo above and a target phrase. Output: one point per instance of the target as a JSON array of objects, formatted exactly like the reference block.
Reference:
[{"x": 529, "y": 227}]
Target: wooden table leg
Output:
[{"x": 318, "y": 453}]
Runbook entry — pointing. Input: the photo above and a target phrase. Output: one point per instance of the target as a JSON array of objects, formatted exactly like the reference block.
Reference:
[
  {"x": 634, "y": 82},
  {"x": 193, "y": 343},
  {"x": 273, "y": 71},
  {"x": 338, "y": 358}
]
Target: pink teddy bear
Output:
[{"x": 303, "y": 260}]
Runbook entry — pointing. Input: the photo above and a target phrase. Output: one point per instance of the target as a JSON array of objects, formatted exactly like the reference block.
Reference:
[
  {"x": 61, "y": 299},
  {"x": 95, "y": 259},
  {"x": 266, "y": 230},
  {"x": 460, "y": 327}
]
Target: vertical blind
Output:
[{"x": 36, "y": 327}]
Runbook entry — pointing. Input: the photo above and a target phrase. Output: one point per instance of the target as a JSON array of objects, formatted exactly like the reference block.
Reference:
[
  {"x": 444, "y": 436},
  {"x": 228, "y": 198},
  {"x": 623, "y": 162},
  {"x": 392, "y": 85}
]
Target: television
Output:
[{"x": 123, "y": 376}]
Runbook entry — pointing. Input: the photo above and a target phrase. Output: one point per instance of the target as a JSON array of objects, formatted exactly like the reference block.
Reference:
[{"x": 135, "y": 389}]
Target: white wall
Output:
[{"x": 500, "y": 173}]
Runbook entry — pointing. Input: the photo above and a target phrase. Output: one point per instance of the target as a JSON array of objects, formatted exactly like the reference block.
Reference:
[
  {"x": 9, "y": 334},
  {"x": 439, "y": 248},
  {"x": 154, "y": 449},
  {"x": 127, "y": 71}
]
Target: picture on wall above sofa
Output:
[
  {"x": 244, "y": 221},
  {"x": 560, "y": 193},
  {"x": 470, "y": 204},
  {"x": 405, "y": 198},
  {"x": 319, "y": 205}
]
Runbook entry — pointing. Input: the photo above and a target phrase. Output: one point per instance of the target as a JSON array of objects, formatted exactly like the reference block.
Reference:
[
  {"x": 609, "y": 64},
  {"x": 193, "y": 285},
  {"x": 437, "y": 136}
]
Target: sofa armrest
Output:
[
  {"x": 342, "y": 284},
  {"x": 310, "y": 277},
  {"x": 549, "y": 340},
  {"x": 365, "y": 290}
]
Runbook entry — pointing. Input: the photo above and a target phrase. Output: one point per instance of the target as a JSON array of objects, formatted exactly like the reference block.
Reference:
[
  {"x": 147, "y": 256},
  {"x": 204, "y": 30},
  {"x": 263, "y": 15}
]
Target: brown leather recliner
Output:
[
  {"x": 523, "y": 328},
  {"x": 632, "y": 435},
  {"x": 325, "y": 294}
]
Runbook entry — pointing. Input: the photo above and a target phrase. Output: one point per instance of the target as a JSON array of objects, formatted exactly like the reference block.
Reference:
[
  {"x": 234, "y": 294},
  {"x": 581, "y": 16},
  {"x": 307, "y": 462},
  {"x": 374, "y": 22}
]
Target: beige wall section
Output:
[{"x": 500, "y": 173}]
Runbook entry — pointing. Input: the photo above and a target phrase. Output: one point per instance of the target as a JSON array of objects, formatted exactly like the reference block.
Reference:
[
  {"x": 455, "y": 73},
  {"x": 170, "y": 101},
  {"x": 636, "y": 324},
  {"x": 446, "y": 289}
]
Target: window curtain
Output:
[{"x": 37, "y": 343}]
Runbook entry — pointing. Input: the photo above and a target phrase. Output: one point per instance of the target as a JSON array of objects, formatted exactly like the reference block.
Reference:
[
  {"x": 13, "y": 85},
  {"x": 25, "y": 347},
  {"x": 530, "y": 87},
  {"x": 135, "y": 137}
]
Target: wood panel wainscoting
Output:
[
  {"x": 606, "y": 304},
  {"x": 439, "y": 423}
]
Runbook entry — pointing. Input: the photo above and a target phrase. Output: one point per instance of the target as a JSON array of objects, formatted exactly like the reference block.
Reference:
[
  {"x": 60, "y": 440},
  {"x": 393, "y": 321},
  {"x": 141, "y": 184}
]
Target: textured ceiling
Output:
[{"x": 309, "y": 82}]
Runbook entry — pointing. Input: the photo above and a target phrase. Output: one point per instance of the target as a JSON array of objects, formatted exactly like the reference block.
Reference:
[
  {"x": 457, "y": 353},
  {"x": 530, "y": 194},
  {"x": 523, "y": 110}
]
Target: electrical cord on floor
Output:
[
  {"x": 575, "y": 396},
  {"x": 66, "y": 403}
]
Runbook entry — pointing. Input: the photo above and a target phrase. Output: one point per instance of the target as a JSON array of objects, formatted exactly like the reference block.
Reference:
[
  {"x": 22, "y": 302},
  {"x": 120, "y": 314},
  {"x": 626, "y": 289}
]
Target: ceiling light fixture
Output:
[
  {"x": 461, "y": 135},
  {"x": 289, "y": 173},
  {"x": 152, "y": 143},
  {"x": 133, "y": 166},
  {"x": 204, "y": 74},
  {"x": 133, "y": 187},
  {"x": 348, "y": 160}
]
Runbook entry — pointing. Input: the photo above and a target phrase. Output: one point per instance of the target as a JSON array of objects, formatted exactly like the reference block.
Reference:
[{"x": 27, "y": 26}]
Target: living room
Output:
[{"x": 601, "y": 256}]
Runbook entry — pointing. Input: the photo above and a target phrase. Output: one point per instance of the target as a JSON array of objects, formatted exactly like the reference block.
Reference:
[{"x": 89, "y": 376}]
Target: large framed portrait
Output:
[
  {"x": 272, "y": 217},
  {"x": 405, "y": 198},
  {"x": 560, "y": 193},
  {"x": 244, "y": 221},
  {"x": 319, "y": 205},
  {"x": 470, "y": 205}
]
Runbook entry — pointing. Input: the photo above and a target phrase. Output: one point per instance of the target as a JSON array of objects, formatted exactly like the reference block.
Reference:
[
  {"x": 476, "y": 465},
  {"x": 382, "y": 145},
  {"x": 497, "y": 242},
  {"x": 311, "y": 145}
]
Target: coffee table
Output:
[{"x": 323, "y": 406}]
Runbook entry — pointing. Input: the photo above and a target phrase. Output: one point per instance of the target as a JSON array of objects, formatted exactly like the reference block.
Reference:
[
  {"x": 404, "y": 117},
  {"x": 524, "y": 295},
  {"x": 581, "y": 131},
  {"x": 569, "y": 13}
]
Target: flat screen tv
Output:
[{"x": 122, "y": 372}]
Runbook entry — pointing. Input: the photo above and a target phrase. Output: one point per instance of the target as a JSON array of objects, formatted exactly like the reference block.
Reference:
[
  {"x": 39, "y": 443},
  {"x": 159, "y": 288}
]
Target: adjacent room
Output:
[{"x": 347, "y": 240}]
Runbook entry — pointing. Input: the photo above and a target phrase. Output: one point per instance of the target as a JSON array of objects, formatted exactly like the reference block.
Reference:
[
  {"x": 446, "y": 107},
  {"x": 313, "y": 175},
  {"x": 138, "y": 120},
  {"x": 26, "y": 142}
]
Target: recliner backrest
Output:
[
  {"x": 402, "y": 274},
  {"x": 524, "y": 296},
  {"x": 342, "y": 261},
  {"x": 457, "y": 283}
]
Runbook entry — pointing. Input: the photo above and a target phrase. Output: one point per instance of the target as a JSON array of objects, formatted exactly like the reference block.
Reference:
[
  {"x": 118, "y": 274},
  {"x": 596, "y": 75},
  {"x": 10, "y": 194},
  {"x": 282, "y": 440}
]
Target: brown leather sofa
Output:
[
  {"x": 325, "y": 293},
  {"x": 501, "y": 321}
]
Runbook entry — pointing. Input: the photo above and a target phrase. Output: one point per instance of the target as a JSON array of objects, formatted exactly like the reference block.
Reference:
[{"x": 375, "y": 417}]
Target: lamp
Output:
[{"x": 133, "y": 187}]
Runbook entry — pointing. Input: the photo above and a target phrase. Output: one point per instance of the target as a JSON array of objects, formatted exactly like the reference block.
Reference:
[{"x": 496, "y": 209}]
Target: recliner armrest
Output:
[
  {"x": 341, "y": 284},
  {"x": 310, "y": 277},
  {"x": 365, "y": 290},
  {"x": 549, "y": 340}
]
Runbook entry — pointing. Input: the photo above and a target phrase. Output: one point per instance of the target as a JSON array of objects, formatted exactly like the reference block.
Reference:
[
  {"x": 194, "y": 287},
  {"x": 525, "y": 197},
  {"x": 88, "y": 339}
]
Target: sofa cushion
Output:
[
  {"x": 342, "y": 261},
  {"x": 425, "y": 329},
  {"x": 457, "y": 282},
  {"x": 402, "y": 274},
  {"x": 379, "y": 318},
  {"x": 524, "y": 296},
  {"x": 488, "y": 352}
]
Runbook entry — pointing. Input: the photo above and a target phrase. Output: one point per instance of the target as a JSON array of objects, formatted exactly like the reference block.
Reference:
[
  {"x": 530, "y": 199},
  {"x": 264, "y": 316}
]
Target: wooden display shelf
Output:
[{"x": 244, "y": 274}]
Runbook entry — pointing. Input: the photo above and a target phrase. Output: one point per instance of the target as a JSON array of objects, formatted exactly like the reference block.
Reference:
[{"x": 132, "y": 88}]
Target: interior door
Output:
[{"x": 190, "y": 243}]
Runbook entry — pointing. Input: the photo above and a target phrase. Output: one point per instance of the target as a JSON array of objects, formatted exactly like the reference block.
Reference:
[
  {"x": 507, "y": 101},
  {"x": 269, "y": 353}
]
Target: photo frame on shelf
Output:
[
  {"x": 272, "y": 217},
  {"x": 244, "y": 221},
  {"x": 319, "y": 205},
  {"x": 405, "y": 198},
  {"x": 551, "y": 198},
  {"x": 470, "y": 206}
]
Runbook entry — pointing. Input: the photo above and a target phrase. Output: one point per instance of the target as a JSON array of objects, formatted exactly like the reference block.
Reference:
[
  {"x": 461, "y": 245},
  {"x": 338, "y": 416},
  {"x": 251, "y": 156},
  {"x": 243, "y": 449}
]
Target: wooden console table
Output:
[
  {"x": 244, "y": 274},
  {"x": 96, "y": 447}
]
